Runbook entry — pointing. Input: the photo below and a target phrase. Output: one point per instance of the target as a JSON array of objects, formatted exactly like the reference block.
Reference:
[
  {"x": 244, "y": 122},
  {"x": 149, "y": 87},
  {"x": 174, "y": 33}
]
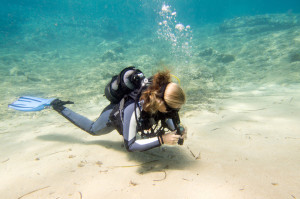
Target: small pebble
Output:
[
  {"x": 99, "y": 163},
  {"x": 81, "y": 164},
  {"x": 133, "y": 183}
]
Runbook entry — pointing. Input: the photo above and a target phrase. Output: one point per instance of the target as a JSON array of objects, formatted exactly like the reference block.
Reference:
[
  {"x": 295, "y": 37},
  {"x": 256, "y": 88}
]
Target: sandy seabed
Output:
[
  {"x": 242, "y": 83},
  {"x": 248, "y": 147}
]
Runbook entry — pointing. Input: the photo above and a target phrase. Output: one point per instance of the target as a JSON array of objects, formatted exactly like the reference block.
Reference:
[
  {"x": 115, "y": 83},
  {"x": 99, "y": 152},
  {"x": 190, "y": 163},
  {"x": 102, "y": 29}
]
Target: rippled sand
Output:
[{"x": 242, "y": 84}]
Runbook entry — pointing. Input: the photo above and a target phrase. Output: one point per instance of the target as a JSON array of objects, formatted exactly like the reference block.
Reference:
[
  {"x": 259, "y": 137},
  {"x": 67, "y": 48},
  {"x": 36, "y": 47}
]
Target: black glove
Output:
[{"x": 58, "y": 105}]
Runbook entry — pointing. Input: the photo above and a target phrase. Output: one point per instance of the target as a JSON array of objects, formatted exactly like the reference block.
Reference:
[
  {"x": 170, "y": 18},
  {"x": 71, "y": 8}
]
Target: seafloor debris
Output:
[
  {"x": 295, "y": 57},
  {"x": 225, "y": 58},
  {"x": 133, "y": 183},
  {"x": 15, "y": 71},
  {"x": 137, "y": 165},
  {"x": 165, "y": 176},
  {"x": 82, "y": 163},
  {"x": 5, "y": 160},
  {"x": 33, "y": 192},
  {"x": 72, "y": 156},
  {"x": 99, "y": 163},
  {"x": 111, "y": 55},
  {"x": 260, "y": 23},
  {"x": 198, "y": 157},
  {"x": 206, "y": 52}
]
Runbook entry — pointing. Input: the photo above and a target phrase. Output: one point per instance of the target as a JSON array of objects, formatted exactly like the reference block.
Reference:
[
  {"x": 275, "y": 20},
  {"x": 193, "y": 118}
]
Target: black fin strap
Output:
[{"x": 58, "y": 105}]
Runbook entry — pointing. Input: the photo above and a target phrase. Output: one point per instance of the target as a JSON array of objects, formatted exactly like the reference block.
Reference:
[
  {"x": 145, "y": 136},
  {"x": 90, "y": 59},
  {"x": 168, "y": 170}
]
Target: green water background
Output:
[{"x": 71, "y": 50}]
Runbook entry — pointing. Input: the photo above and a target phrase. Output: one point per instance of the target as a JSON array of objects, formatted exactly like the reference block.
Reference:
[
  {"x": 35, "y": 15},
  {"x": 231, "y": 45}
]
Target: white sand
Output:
[{"x": 249, "y": 148}]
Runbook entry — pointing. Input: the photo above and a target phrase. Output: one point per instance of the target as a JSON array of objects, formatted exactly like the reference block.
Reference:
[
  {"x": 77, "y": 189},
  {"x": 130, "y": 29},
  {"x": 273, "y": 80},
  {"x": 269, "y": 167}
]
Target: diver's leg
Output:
[
  {"x": 99, "y": 127},
  {"x": 103, "y": 124}
]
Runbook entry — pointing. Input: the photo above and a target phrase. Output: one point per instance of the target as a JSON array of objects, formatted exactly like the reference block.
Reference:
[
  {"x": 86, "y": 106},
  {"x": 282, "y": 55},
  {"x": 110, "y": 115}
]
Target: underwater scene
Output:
[
  {"x": 72, "y": 49},
  {"x": 237, "y": 61}
]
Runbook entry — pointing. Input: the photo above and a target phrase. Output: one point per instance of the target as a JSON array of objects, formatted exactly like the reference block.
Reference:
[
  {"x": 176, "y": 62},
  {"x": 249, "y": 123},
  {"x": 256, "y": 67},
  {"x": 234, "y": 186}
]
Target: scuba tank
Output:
[{"x": 128, "y": 80}]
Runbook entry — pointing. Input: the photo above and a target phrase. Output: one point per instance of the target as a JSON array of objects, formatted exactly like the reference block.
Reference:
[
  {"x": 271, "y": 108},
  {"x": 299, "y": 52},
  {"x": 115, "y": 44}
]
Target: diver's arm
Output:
[{"x": 130, "y": 132}]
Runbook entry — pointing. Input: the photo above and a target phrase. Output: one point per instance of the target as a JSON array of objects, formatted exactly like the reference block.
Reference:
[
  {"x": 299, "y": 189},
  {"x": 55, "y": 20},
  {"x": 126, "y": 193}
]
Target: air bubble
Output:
[
  {"x": 165, "y": 8},
  {"x": 179, "y": 27}
]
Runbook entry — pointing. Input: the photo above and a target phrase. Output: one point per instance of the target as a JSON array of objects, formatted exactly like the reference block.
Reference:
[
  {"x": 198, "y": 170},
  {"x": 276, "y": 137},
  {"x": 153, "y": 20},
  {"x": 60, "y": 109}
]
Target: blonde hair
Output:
[
  {"x": 174, "y": 95},
  {"x": 155, "y": 96}
]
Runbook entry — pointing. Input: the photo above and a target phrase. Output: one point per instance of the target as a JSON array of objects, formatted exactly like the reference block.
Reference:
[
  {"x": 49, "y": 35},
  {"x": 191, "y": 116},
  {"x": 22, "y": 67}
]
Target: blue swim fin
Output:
[{"x": 27, "y": 103}]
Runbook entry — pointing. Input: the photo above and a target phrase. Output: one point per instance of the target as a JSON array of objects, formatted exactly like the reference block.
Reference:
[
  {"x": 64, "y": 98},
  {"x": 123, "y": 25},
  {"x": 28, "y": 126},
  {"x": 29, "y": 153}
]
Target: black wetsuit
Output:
[{"x": 101, "y": 126}]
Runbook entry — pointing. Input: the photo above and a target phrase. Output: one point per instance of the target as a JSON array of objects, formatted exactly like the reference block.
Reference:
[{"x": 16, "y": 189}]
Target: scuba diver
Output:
[{"x": 137, "y": 104}]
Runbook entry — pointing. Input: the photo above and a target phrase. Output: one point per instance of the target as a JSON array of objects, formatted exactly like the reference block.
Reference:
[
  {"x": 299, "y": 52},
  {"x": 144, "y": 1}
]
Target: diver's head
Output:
[
  {"x": 174, "y": 96},
  {"x": 162, "y": 95}
]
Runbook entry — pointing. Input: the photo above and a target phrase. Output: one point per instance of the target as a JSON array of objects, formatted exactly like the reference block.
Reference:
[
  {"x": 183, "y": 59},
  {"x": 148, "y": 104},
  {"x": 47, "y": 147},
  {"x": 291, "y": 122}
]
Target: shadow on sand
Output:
[{"x": 154, "y": 160}]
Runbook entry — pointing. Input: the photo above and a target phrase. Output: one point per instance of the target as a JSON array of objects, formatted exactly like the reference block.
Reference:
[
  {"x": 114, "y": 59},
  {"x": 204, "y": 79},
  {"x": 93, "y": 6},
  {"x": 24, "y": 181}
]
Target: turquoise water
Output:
[
  {"x": 70, "y": 49},
  {"x": 238, "y": 62}
]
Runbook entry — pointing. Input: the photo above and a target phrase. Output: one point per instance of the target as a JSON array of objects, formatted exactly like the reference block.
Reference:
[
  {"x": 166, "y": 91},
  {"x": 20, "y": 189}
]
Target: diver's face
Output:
[{"x": 163, "y": 108}]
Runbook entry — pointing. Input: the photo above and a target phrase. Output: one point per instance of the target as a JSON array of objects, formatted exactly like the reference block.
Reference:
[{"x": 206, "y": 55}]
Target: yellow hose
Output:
[{"x": 176, "y": 78}]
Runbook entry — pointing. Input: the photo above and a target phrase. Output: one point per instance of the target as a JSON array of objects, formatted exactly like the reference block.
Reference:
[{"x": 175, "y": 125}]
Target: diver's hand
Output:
[
  {"x": 58, "y": 105},
  {"x": 170, "y": 138},
  {"x": 184, "y": 133}
]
